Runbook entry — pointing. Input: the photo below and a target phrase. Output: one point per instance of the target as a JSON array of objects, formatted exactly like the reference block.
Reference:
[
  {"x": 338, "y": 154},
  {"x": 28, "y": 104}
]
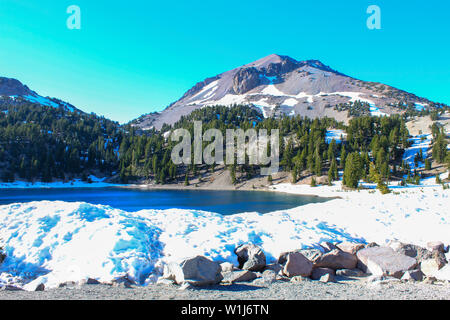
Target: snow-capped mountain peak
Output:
[{"x": 278, "y": 84}]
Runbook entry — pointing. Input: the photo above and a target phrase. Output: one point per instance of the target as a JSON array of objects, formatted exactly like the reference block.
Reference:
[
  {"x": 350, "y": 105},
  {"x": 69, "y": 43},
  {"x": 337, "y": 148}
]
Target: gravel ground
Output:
[{"x": 306, "y": 290}]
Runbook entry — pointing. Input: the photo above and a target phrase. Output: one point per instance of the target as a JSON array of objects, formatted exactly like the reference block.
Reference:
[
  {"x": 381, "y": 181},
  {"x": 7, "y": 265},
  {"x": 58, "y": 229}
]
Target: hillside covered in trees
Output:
[
  {"x": 39, "y": 143},
  {"x": 45, "y": 143}
]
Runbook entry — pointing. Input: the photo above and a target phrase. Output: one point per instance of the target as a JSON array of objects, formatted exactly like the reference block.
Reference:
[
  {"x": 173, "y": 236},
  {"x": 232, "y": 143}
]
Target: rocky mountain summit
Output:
[
  {"x": 282, "y": 85},
  {"x": 13, "y": 87}
]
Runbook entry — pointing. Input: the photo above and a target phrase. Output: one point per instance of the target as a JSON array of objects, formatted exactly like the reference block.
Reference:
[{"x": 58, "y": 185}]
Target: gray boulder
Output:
[
  {"x": 413, "y": 275},
  {"x": 318, "y": 273},
  {"x": 384, "y": 261},
  {"x": 350, "y": 247},
  {"x": 283, "y": 257},
  {"x": 267, "y": 277},
  {"x": 436, "y": 246},
  {"x": 238, "y": 276},
  {"x": 311, "y": 254},
  {"x": 351, "y": 273},
  {"x": 411, "y": 250},
  {"x": 298, "y": 279},
  {"x": 197, "y": 271},
  {"x": 431, "y": 266},
  {"x": 329, "y": 277},
  {"x": 275, "y": 267},
  {"x": 328, "y": 246},
  {"x": 122, "y": 282},
  {"x": 40, "y": 287},
  {"x": 336, "y": 259},
  {"x": 250, "y": 257},
  {"x": 297, "y": 265}
]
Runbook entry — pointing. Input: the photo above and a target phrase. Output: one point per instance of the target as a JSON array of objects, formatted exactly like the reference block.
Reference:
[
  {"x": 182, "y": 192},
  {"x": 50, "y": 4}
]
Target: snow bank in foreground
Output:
[
  {"x": 414, "y": 215},
  {"x": 54, "y": 242}
]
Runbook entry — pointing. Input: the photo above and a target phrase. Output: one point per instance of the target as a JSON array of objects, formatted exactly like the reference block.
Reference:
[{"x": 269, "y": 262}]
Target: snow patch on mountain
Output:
[
  {"x": 273, "y": 91},
  {"x": 41, "y": 100},
  {"x": 337, "y": 135},
  {"x": 290, "y": 102},
  {"x": 420, "y": 142}
]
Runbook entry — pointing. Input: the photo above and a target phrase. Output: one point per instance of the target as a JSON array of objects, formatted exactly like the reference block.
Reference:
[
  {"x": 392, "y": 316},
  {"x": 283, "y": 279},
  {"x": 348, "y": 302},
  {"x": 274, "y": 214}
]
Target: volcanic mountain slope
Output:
[
  {"x": 12, "y": 90},
  {"x": 281, "y": 85}
]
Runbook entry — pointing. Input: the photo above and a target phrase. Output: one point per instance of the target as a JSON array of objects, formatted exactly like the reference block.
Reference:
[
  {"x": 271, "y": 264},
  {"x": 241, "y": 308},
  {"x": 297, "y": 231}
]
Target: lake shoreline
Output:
[
  {"x": 260, "y": 186},
  {"x": 133, "y": 198}
]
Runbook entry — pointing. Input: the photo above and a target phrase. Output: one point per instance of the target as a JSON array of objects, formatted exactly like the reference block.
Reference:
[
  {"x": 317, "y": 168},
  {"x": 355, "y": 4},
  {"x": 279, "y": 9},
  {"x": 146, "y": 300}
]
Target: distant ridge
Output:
[{"x": 14, "y": 89}]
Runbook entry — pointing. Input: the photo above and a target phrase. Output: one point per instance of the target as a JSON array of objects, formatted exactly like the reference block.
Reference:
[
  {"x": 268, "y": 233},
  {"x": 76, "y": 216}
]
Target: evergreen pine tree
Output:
[
  {"x": 233, "y": 174},
  {"x": 353, "y": 171},
  {"x": 427, "y": 164},
  {"x": 294, "y": 174}
]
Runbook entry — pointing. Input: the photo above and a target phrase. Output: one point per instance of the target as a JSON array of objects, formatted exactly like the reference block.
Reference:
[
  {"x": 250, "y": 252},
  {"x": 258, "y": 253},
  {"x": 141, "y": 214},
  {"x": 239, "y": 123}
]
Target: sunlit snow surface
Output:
[
  {"x": 54, "y": 242},
  {"x": 375, "y": 111}
]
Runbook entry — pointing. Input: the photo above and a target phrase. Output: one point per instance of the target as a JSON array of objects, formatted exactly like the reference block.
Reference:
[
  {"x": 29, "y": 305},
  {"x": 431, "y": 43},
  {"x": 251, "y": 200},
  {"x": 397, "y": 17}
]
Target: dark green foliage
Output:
[
  {"x": 440, "y": 148},
  {"x": 41, "y": 143},
  {"x": 427, "y": 164},
  {"x": 354, "y": 170},
  {"x": 355, "y": 109},
  {"x": 45, "y": 143},
  {"x": 333, "y": 171},
  {"x": 233, "y": 174}
]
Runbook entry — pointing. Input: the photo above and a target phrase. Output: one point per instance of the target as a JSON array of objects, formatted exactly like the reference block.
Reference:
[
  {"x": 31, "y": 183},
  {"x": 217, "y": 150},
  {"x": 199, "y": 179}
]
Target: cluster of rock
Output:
[
  {"x": 328, "y": 263},
  {"x": 396, "y": 261}
]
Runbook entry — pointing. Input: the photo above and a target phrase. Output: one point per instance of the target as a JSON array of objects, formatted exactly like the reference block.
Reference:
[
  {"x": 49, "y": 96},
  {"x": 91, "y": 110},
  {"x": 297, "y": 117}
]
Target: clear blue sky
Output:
[{"x": 135, "y": 57}]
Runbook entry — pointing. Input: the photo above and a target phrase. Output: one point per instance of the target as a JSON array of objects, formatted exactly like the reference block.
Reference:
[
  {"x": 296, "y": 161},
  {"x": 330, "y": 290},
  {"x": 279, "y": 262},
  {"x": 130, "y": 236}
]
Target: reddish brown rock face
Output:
[
  {"x": 246, "y": 80},
  {"x": 337, "y": 259},
  {"x": 297, "y": 265}
]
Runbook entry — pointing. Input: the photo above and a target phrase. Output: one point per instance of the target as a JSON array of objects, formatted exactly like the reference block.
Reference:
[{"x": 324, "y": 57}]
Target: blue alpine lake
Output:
[{"x": 223, "y": 202}]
